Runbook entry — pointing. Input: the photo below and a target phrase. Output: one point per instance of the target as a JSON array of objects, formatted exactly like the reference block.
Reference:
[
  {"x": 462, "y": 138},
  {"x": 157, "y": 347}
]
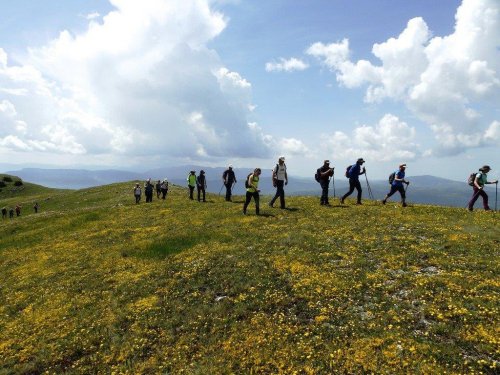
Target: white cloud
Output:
[
  {"x": 286, "y": 65},
  {"x": 142, "y": 83},
  {"x": 390, "y": 139},
  {"x": 446, "y": 81},
  {"x": 92, "y": 15},
  {"x": 292, "y": 147}
]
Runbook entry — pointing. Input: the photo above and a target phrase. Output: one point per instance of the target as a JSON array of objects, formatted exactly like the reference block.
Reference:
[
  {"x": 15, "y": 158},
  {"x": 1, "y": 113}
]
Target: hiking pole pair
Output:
[{"x": 370, "y": 194}]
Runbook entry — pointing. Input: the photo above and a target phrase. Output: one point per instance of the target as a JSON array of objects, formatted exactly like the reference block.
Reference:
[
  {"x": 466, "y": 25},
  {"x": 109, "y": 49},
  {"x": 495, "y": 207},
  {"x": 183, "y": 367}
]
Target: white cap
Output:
[
  {"x": 230, "y": 165},
  {"x": 282, "y": 158},
  {"x": 402, "y": 165}
]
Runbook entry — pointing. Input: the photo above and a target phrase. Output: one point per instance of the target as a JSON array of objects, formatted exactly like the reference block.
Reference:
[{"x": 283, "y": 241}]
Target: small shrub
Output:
[
  {"x": 2, "y": 184},
  {"x": 18, "y": 183},
  {"x": 7, "y": 179}
]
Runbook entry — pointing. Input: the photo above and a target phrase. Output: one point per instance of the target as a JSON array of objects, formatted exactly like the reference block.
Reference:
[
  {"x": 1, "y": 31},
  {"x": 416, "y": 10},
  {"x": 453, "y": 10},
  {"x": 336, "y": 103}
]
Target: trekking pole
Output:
[
  {"x": 496, "y": 195},
  {"x": 370, "y": 194},
  {"x": 333, "y": 182},
  {"x": 221, "y": 188},
  {"x": 232, "y": 187}
]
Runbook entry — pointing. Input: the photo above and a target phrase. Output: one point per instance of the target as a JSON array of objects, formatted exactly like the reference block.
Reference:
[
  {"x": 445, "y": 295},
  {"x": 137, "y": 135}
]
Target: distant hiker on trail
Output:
[
  {"x": 398, "y": 179},
  {"x": 35, "y": 207},
  {"x": 158, "y": 189},
  {"x": 191, "y": 179},
  {"x": 280, "y": 178},
  {"x": 353, "y": 173},
  {"x": 137, "y": 193},
  {"x": 18, "y": 210},
  {"x": 229, "y": 179},
  {"x": 323, "y": 175},
  {"x": 4, "y": 213},
  {"x": 148, "y": 191},
  {"x": 164, "y": 188},
  {"x": 252, "y": 185},
  {"x": 478, "y": 187},
  {"x": 11, "y": 213},
  {"x": 201, "y": 184}
]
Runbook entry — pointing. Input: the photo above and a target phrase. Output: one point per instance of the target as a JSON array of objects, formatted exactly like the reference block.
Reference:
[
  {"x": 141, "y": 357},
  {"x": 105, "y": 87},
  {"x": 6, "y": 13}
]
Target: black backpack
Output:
[
  {"x": 246, "y": 181},
  {"x": 347, "y": 170},
  {"x": 317, "y": 175},
  {"x": 392, "y": 176},
  {"x": 472, "y": 178}
]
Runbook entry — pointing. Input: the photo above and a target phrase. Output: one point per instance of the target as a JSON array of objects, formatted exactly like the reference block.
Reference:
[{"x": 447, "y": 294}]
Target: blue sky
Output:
[{"x": 198, "y": 110}]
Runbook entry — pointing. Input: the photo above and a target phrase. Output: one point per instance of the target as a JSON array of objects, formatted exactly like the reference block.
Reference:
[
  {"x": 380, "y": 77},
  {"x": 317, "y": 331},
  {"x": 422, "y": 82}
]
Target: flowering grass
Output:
[{"x": 94, "y": 283}]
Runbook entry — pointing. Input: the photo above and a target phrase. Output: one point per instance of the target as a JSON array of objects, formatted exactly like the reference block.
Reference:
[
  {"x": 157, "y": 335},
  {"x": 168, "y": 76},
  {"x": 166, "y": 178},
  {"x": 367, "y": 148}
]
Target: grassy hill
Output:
[{"x": 95, "y": 284}]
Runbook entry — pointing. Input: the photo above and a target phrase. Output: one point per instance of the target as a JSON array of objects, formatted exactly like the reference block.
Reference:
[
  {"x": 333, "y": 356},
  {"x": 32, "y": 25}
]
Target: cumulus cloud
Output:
[
  {"x": 446, "y": 81},
  {"x": 141, "y": 83},
  {"x": 390, "y": 139},
  {"x": 92, "y": 15},
  {"x": 286, "y": 65}
]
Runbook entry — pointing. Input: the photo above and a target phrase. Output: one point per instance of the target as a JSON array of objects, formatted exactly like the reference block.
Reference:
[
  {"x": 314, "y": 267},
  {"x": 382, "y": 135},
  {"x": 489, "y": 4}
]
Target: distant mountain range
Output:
[{"x": 422, "y": 189}]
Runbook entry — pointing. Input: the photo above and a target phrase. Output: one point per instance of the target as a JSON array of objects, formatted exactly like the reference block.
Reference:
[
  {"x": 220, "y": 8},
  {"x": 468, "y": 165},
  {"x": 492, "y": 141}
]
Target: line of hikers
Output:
[
  {"x": 17, "y": 210},
  {"x": 161, "y": 189},
  {"x": 323, "y": 176}
]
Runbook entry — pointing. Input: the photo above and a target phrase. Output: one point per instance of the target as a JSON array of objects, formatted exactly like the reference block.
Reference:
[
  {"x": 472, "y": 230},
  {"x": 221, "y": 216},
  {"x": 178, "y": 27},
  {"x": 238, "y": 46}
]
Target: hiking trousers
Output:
[
  {"x": 401, "y": 190},
  {"x": 325, "y": 184},
  {"x": 354, "y": 185},
  {"x": 137, "y": 198},
  {"x": 200, "y": 190},
  {"x": 476, "y": 193},
  {"x": 191, "y": 190},
  {"x": 249, "y": 198},
  {"x": 149, "y": 196},
  {"x": 280, "y": 192},
  {"x": 228, "y": 191},
  {"x": 164, "y": 193}
]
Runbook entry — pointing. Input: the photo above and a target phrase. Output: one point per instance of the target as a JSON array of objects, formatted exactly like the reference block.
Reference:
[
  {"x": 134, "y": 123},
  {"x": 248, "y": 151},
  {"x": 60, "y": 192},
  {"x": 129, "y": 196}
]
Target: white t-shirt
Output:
[{"x": 280, "y": 173}]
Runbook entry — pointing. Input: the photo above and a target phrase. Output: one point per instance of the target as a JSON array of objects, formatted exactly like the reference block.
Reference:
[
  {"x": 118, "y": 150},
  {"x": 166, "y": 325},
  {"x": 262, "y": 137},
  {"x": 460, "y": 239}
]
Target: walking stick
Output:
[
  {"x": 234, "y": 183},
  {"x": 370, "y": 194},
  {"x": 496, "y": 195},
  {"x": 221, "y": 188},
  {"x": 333, "y": 182},
  {"x": 473, "y": 197}
]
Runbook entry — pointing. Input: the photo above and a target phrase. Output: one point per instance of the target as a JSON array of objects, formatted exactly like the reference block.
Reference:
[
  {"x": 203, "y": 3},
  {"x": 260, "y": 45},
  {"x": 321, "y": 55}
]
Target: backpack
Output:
[
  {"x": 472, "y": 178},
  {"x": 347, "y": 171},
  {"x": 392, "y": 176},
  {"x": 247, "y": 186},
  {"x": 317, "y": 175}
]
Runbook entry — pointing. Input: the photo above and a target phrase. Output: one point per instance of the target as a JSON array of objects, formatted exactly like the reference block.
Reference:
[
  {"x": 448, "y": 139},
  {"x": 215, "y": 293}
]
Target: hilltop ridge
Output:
[{"x": 97, "y": 284}]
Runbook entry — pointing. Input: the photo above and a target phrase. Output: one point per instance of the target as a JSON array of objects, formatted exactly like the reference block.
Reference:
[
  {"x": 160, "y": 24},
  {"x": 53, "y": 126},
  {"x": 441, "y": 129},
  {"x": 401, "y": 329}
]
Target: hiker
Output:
[
  {"x": 201, "y": 184},
  {"x": 397, "y": 185},
  {"x": 229, "y": 178},
  {"x": 35, "y": 207},
  {"x": 353, "y": 174},
  {"x": 18, "y": 210},
  {"x": 191, "y": 179},
  {"x": 11, "y": 213},
  {"x": 280, "y": 179},
  {"x": 252, "y": 185},
  {"x": 137, "y": 193},
  {"x": 148, "y": 191},
  {"x": 323, "y": 175},
  {"x": 158, "y": 189},
  {"x": 478, "y": 187},
  {"x": 4, "y": 213},
  {"x": 164, "y": 188}
]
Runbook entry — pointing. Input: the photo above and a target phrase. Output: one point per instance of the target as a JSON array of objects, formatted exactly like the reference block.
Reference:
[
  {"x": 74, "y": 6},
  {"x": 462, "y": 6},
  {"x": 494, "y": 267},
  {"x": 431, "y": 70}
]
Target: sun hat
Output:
[
  {"x": 484, "y": 167},
  {"x": 282, "y": 158},
  {"x": 360, "y": 160},
  {"x": 230, "y": 165}
]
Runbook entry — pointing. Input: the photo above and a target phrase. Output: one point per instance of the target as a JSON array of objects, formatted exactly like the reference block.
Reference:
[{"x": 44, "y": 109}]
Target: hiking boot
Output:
[
  {"x": 328, "y": 205},
  {"x": 404, "y": 205},
  {"x": 470, "y": 209},
  {"x": 244, "y": 213},
  {"x": 384, "y": 201},
  {"x": 342, "y": 201},
  {"x": 270, "y": 205},
  {"x": 359, "y": 204}
]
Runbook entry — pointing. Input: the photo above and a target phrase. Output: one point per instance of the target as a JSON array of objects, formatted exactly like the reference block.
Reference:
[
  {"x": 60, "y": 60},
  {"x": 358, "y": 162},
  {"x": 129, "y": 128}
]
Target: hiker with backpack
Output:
[
  {"x": 191, "y": 180},
  {"x": 352, "y": 173},
  {"x": 11, "y": 213},
  {"x": 4, "y": 212},
  {"x": 479, "y": 180},
  {"x": 158, "y": 189},
  {"x": 280, "y": 179},
  {"x": 164, "y": 188},
  {"x": 322, "y": 176},
  {"x": 148, "y": 191},
  {"x": 18, "y": 210},
  {"x": 397, "y": 179},
  {"x": 252, "y": 185},
  {"x": 229, "y": 178},
  {"x": 35, "y": 207},
  {"x": 137, "y": 193},
  {"x": 201, "y": 184}
]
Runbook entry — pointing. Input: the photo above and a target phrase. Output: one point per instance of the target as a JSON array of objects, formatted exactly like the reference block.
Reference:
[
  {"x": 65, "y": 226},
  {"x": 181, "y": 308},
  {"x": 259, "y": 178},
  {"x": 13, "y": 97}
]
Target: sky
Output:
[{"x": 127, "y": 84}]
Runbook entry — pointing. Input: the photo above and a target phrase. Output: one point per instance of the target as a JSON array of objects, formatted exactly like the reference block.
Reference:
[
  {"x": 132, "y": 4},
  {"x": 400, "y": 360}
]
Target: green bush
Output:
[
  {"x": 2, "y": 184},
  {"x": 7, "y": 179},
  {"x": 18, "y": 183}
]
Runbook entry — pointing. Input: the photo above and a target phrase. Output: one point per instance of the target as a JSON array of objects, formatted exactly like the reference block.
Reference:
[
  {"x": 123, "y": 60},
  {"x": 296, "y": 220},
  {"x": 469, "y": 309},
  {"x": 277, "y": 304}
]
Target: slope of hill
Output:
[{"x": 97, "y": 284}]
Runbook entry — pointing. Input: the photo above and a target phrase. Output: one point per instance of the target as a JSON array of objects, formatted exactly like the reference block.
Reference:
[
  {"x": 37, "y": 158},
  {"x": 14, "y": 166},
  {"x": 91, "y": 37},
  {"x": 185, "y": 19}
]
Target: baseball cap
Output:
[
  {"x": 403, "y": 165},
  {"x": 360, "y": 160},
  {"x": 327, "y": 161},
  {"x": 282, "y": 158}
]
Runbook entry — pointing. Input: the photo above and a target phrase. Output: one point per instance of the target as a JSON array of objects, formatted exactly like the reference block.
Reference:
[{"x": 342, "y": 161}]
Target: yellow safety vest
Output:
[{"x": 255, "y": 183}]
